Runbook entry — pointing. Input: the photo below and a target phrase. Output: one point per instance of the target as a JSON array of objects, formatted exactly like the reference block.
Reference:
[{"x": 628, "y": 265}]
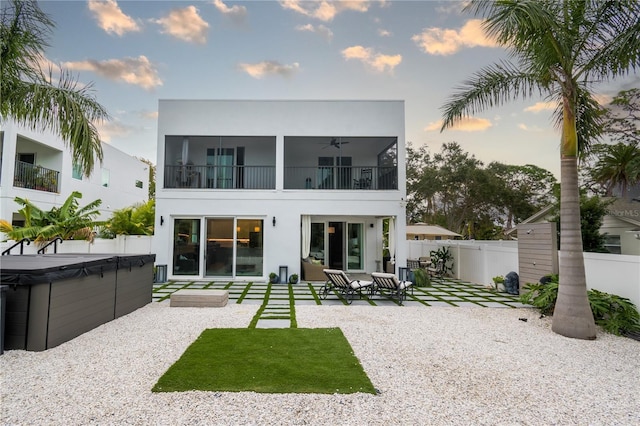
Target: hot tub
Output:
[{"x": 53, "y": 298}]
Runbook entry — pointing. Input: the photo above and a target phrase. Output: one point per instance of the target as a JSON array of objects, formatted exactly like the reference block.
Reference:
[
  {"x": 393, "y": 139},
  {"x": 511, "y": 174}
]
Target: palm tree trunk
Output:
[{"x": 572, "y": 316}]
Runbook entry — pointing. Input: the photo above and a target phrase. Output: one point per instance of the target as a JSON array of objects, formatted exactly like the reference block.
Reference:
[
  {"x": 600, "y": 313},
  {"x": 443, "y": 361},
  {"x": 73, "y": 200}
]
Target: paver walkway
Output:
[{"x": 277, "y": 301}]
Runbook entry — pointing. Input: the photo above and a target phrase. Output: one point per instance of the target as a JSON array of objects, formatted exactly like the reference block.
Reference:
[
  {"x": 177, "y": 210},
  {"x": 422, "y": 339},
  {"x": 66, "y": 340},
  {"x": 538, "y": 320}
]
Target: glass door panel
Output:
[
  {"x": 186, "y": 247},
  {"x": 354, "y": 246},
  {"x": 219, "y": 252},
  {"x": 325, "y": 172},
  {"x": 318, "y": 248},
  {"x": 249, "y": 248},
  {"x": 224, "y": 176}
]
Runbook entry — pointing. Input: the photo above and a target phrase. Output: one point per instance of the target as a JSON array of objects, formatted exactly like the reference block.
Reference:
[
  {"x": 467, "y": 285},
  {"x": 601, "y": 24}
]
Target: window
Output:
[
  {"x": 612, "y": 243},
  {"x": 105, "y": 178},
  {"x": 186, "y": 246},
  {"x": 76, "y": 173},
  {"x": 138, "y": 184}
]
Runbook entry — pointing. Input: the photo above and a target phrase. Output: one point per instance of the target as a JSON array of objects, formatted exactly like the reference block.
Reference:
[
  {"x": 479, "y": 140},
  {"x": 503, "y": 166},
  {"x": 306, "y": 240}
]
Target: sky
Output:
[{"x": 136, "y": 52}]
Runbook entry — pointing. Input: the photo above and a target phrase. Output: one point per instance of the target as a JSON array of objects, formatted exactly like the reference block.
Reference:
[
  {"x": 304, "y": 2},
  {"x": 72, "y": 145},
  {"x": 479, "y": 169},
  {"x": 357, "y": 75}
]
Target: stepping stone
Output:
[{"x": 199, "y": 298}]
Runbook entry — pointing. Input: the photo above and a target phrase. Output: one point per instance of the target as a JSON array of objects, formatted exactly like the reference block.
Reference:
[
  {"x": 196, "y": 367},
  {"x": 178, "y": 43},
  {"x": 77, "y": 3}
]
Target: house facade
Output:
[
  {"x": 247, "y": 187},
  {"x": 37, "y": 166}
]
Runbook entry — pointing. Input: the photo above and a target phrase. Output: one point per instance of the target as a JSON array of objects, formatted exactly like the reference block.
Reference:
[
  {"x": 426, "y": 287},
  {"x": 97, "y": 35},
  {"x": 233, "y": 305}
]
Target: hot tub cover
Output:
[{"x": 29, "y": 269}]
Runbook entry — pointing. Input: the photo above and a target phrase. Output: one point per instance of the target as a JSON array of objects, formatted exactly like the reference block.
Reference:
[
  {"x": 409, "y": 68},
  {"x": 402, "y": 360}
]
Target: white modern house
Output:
[
  {"x": 37, "y": 166},
  {"x": 246, "y": 188}
]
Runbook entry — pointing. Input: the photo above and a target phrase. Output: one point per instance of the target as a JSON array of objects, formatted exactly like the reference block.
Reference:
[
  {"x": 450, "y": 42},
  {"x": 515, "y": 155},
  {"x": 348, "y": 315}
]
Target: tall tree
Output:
[
  {"x": 561, "y": 47},
  {"x": 30, "y": 97},
  {"x": 617, "y": 166},
  {"x": 622, "y": 117}
]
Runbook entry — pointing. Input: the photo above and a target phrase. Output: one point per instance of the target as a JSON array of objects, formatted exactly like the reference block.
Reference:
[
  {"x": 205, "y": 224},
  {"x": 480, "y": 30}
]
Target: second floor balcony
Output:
[
  {"x": 310, "y": 163},
  {"x": 28, "y": 176}
]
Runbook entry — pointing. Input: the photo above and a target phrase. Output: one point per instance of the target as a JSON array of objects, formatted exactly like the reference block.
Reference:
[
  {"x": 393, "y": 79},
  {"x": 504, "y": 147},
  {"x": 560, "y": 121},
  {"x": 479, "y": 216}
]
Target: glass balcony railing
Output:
[{"x": 28, "y": 176}]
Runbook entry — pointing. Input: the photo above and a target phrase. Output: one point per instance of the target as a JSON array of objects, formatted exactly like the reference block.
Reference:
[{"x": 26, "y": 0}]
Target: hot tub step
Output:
[{"x": 199, "y": 298}]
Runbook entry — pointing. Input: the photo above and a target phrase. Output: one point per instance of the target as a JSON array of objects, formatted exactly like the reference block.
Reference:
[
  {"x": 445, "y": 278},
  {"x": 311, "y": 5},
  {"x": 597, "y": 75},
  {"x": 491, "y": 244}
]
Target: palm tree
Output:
[
  {"x": 560, "y": 47},
  {"x": 618, "y": 166},
  {"x": 29, "y": 96}
]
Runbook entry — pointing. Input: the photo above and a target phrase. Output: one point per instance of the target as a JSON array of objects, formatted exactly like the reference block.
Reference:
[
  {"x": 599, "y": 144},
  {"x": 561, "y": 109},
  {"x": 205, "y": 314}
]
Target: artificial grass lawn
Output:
[{"x": 283, "y": 360}]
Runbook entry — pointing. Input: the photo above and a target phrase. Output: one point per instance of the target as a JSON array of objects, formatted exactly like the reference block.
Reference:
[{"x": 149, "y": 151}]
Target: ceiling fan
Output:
[{"x": 335, "y": 143}]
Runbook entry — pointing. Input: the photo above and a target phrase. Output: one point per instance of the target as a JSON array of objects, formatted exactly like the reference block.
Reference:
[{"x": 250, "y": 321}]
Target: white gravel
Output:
[{"x": 467, "y": 366}]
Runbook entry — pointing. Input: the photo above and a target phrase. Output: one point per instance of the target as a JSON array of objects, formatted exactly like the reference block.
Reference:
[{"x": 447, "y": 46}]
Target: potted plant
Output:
[
  {"x": 274, "y": 278},
  {"x": 293, "y": 279},
  {"x": 497, "y": 280}
]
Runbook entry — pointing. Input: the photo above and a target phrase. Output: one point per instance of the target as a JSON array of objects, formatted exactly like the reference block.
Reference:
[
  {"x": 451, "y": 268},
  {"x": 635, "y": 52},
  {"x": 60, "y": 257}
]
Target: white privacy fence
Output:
[
  {"x": 122, "y": 244},
  {"x": 480, "y": 261}
]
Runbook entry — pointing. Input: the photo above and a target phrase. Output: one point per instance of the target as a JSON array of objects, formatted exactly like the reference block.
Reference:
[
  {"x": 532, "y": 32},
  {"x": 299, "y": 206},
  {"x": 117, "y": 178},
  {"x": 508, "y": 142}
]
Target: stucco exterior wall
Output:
[{"x": 281, "y": 119}]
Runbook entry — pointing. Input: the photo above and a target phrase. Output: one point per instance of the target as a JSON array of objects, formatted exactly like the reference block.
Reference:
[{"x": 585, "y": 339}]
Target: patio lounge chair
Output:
[
  {"x": 338, "y": 281},
  {"x": 388, "y": 284}
]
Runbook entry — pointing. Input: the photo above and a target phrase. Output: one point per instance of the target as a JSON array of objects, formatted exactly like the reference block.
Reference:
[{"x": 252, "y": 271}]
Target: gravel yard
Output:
[{"x": 432, "y": 366}]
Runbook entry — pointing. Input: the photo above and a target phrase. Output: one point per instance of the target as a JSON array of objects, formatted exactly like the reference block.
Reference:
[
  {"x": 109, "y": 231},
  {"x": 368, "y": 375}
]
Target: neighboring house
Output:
[
  {"x": 621, "y": 225},
  {"x": 245, "y": 187},
  {"x": 37, "y": 166},
  {"x": 422, "y": 231}
]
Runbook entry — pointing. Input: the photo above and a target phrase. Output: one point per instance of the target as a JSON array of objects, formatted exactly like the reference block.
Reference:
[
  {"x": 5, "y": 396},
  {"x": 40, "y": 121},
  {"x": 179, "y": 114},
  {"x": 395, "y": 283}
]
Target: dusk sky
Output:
[{"x": 137, "y": 52}]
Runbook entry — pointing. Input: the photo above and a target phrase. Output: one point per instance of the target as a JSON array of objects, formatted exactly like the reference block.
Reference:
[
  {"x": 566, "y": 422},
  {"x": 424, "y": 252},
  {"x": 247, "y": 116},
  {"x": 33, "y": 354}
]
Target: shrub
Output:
[
  {"x": 421, "y": 278},
  {"x": 615, "y": 314}
]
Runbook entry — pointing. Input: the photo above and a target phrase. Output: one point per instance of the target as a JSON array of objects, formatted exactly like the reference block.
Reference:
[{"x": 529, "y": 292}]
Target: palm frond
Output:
[{"x": 491, "y": 86}]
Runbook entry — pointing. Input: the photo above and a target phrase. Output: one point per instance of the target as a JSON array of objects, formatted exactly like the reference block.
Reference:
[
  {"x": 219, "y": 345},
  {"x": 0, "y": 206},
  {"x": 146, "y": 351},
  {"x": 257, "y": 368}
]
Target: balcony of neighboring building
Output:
[{"x": 37, "y": 166}]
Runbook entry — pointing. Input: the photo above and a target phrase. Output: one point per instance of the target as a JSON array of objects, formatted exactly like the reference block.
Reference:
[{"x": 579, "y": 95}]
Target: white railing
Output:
[{"x": 479, "y": 261}]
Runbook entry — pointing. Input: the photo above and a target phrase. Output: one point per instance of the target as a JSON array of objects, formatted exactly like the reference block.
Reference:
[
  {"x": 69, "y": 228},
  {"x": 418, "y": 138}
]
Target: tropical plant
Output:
[
  {"x": 30, "y": 97},
  {"x": 135, "y": 220},
  {"x": 442, "y": 259},
  {"x": 293, "y": 279},
  {"x": 561, "y": 48},
  {"x": 69, "y": 221},
  {"x": 615, "y": 314}
]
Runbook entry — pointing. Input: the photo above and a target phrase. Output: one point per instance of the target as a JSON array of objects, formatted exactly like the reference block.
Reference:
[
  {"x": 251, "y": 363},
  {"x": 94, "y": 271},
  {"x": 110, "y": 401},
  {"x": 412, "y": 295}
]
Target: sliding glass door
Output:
[{"x": 186, "y": 247}]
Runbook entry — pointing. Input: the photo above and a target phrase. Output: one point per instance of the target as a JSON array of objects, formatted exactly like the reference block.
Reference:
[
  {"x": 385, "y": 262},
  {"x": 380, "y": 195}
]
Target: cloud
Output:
[
  {"x": 137, "y": 71},
  {"x": 321, "y": 30},
  {"x": 384, "y": 33},
  {"x": 324, "y": 10},
  {"x": 541, "y": 106},
  {"x": 235, "y": 13},
  {"x": 150, "y": 115},
  {"x": 467, "y": 124},
  {"x": 371, "y": 58},
  {"x": 603, "y": 99},
  {"x": 185, "y": 24},
  {"x": 111, "y": 18},
  {"x": 534, "y": 129},
  {"x": 109, "y": 130},
  {"x": 439, "y": 41},
  {"x": 264, "y": 68}
]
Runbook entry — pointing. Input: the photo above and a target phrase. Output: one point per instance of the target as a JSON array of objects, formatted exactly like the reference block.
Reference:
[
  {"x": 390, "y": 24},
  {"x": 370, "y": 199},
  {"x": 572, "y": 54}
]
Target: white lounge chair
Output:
[
  {"x": 339, "y": 282},
  {"x": 388, "y": 284}
]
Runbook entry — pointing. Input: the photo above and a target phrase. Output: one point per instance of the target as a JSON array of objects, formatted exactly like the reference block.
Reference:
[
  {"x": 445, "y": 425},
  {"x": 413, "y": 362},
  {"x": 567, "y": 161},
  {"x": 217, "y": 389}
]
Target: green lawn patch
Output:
[{"x": 283, "y": 360}]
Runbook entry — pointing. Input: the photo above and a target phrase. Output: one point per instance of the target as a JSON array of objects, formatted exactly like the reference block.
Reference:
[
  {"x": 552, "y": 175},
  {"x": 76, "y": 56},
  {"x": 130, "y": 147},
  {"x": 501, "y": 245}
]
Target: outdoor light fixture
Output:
[
  {"x": 283, "y": 273},
  {"x": 274, "y": 221},
  {"x": 161, "y": 220}
]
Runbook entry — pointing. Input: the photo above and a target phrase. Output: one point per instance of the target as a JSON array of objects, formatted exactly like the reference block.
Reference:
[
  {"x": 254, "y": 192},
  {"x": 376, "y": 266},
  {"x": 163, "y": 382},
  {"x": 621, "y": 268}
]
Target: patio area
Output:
[{"x": 278, "y": 301}]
